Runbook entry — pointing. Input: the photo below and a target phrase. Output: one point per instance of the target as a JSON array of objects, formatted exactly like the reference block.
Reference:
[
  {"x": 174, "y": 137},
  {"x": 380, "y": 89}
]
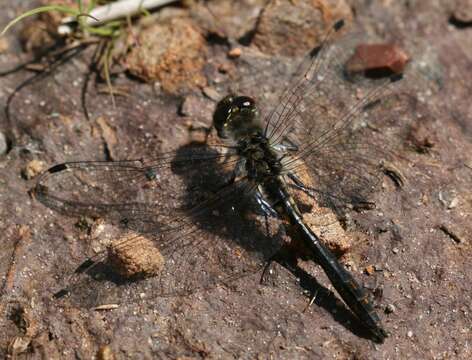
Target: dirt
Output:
[{"x": 412, "y": 251}]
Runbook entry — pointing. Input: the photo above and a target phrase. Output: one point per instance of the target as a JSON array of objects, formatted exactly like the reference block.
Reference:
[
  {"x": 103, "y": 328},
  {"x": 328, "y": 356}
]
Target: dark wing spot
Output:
[
  {"x": 338, "y": 25},
  {"x": 57, "y": 168}
]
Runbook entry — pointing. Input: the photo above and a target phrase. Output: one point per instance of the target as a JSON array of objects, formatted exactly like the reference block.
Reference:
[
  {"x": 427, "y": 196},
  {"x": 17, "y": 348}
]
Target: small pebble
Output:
[
  {"x": 409, "y": 334},
  {"x": 211, "y": 93},
  {"x": 223, "y": 68},
  {"x": 395, "y": 250},
  {"x": 377, "y": 58},
  {"x": 105, "y": 353},
  {"x": 4, "y": 45},
  {"x": 462, "y": 13},
  {"x": 139, "y": 259},
  {"x": 453, "y": 203},
  {"x": 234, "y": 53},
  {"x": 390, "y": 309},
  {"x": 370, "y": 269},
  {"x": 3, "y": 144},
  {"x": 33, "y": 168},
  {"x": 187, "y": 107}
]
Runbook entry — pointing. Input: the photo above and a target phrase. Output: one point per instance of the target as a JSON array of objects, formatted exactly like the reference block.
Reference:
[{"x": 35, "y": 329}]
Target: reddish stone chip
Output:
[{"x": 377, "y": 58}]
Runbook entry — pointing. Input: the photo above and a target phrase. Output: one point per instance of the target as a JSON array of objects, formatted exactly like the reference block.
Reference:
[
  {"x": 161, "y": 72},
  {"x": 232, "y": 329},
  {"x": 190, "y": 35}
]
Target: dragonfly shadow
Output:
[
  {"x": 221, "y": 206},
  {"x": 327, "y": 300},
  {"x": 217, "y": 230},
  {"x": 212, "y": 216},
  {"x": 236, "y": 223},
  {"x": 93, "y": 289}
]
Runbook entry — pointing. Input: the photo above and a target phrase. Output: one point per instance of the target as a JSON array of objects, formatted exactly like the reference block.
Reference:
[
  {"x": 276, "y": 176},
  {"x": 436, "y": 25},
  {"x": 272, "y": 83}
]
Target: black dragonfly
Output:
[{"x": 328, "y": 125}]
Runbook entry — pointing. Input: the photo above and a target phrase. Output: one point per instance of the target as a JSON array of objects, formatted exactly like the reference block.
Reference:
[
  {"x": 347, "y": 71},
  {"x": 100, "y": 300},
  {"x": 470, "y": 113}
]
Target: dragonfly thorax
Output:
[{"x": 262, "y": 161}]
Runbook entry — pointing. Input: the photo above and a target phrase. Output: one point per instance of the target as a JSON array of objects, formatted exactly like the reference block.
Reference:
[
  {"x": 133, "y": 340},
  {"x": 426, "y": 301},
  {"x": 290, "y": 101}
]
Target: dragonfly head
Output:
[{"x": 236, "y": 117}]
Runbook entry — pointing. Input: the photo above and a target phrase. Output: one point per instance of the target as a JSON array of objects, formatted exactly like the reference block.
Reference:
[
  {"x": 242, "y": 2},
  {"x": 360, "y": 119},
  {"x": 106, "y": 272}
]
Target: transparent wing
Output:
[
  {"x": 341, "y": 127},
  {"x": 182, "y": 201}
]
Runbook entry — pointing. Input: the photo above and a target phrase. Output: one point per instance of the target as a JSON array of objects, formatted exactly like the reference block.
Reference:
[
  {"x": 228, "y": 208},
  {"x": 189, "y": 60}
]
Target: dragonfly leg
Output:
[
  {"x": 236, "y": 174},
  {"x": 206, "y": 130},
  {"x": 285, "y": 257},
  {"x": 356, "y": 203},
  {"x": 298, "y": 183},
  {"x": 266, "y": 207}
]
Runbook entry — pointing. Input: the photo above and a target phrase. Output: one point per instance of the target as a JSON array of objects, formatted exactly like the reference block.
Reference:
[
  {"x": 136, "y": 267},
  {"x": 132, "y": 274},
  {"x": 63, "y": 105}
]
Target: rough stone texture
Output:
[
  {"x": 380, "y": 58},
  {"x": 418, "y": 238},
  {"x": 234, "y": 19},
  {"x": 322, "y": 219},
  {"x": 462, "y": 12},
  {"x": 171, "y": 51},
  {"x": 293, "y": 27},
  {"x": 33, "y": 168},
  {"x": 40, "y": 34},
  {"x": 141, "y": 260}
]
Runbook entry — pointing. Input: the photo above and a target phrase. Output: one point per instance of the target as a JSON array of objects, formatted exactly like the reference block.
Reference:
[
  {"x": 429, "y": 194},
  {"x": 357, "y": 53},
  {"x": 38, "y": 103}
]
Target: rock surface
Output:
[{"x": 418, "y": 238}]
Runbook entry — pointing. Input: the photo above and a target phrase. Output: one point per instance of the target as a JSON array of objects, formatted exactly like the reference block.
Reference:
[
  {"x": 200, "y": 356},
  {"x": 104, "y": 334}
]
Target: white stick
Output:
[{"x": 112, "y": 11}]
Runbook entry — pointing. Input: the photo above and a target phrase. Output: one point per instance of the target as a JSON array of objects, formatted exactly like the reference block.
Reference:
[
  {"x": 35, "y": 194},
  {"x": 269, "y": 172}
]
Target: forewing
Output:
[
  {"x": 342, "y": 126},
  {"x": 180, "y": 200}
]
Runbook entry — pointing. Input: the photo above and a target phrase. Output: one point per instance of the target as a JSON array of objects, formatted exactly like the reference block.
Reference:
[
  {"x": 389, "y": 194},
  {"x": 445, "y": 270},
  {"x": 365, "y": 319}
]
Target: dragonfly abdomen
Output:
[{"x": 351, "y": 292}]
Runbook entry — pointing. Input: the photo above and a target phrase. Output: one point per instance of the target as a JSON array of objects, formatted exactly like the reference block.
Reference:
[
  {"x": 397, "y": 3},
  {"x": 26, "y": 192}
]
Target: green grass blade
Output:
[
  {"x": 110, "y": 29},
  {"x": 91, "y": 6},
  {"x": 60, "y": 8}
]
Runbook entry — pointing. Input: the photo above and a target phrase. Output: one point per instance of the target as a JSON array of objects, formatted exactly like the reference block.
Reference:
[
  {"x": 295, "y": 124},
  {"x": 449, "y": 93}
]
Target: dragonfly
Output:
[{"x": 325, "y": 137}]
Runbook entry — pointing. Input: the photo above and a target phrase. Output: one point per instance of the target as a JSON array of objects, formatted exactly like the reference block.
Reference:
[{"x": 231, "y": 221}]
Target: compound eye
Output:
[{"x": 244, "y": 102}]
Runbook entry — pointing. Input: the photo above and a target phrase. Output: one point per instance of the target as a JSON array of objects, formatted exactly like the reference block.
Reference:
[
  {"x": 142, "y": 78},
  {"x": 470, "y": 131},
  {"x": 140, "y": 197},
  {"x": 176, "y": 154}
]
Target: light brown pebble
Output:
[
  {"x": 33, "y": 168},
  {"x": 135, "y": 256},
  {"x": 370, "y": 269},
  {"x": 390, "y": 309},
  {"x": 462, "y": 12},
  {"x": 105, "y": 353},
  {"x": 211, "y": 93},
  {"x": 4, "y": 45},
  {"x": 235, "y": 53}
]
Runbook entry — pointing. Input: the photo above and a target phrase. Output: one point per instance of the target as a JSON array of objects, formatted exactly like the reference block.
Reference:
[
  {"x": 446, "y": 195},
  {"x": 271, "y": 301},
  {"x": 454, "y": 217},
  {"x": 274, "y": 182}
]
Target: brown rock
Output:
[
  {"x": 33, "y": 168},
  {"x": 105, "y": 353},
  {"x": 4, "y": 45},
  {"x": 420, "y": 138},
  {"x": 35, "y": 37},
  {"x": 377, "y": 59},
  {"x": 321, "y": 220},
  {"x": 227, "y": 19},
  {"x": 18, "y": 345},
  {"x": 135, "y": 256},
  {"x": 234, "y": 53},
  {"x": 462, "y": 12},
  {"x": 284, "y": 29},
  {"x": 369, "y": 270},
  {"x": 41, "y": 33},
  {"x": 172, "y": 52}
]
